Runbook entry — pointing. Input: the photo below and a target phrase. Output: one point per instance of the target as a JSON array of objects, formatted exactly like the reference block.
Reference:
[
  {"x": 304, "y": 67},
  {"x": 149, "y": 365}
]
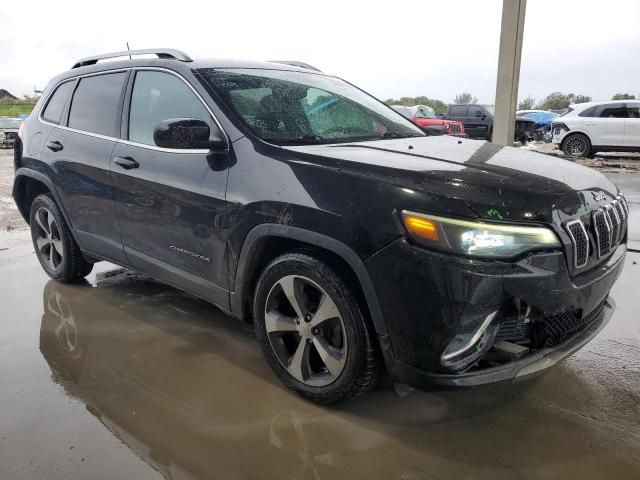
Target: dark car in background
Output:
[
  {"x": 425, "y": 117},
  {"x": 478, "y": 121},
  {"x": 289, "y": 198},
  {"x": 9, "y": 127}
]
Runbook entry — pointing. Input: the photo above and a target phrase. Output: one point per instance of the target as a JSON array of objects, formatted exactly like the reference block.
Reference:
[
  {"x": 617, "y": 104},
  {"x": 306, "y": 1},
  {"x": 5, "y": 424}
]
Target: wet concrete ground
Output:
[{"x": 123, "y": 377}]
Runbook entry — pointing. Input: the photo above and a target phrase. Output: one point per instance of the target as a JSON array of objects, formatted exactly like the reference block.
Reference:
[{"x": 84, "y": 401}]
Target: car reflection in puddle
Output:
[{"x": 186, "y": 389}]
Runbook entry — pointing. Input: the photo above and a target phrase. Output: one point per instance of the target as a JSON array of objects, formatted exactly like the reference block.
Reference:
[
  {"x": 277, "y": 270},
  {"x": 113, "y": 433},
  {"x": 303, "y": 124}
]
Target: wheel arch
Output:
[
  {"x": 265, "y": 242},
  {"x": 28, "y": 184}
]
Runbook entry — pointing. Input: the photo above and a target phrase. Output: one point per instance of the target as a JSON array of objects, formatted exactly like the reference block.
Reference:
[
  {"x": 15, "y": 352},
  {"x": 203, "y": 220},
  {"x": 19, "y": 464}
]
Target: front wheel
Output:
[
  {"x": 312, "y": 331},
  {"x": 576, "y": 145},
  {"x": 55, "y": 247}
]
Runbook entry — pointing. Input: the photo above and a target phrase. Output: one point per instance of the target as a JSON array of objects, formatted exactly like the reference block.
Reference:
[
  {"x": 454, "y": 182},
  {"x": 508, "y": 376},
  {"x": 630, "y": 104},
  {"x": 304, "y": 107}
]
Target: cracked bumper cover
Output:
[{"x": 428, "y": 297}]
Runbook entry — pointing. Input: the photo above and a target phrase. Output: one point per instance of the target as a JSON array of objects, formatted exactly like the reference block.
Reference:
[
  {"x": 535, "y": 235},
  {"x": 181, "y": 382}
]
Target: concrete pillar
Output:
[{"x": 504, "y": 123}]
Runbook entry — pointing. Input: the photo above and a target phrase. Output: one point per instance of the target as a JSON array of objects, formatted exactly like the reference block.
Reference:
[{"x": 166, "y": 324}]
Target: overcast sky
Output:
[{"x": 390, "y": 48}]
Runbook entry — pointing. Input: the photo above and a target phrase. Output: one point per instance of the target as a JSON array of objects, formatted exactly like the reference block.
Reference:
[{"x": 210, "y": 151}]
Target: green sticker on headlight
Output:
[{"x": 494, "y": 213}]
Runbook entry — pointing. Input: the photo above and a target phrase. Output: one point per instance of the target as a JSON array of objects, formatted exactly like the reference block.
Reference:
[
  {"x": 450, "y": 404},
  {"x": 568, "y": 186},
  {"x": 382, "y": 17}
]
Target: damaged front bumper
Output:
[
  {"x": 521, "y": 369},
  {"x": 432, "y": 300}
]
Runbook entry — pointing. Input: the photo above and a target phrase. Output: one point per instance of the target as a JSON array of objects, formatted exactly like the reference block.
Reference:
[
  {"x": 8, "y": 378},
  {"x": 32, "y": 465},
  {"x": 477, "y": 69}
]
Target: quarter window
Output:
[
  {"x": 589, "y": 112},
  {"x": 53, "y": 110},
  {"x": 157, "y": 97},
  {"x": 94, "y": 107}
]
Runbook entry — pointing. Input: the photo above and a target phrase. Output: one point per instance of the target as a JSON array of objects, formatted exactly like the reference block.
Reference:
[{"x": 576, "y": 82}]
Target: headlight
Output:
[{"x": 477, "y": 238}]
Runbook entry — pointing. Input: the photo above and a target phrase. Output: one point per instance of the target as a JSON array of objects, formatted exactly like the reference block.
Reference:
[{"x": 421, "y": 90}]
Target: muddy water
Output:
[{"x": 123, "y": 377}]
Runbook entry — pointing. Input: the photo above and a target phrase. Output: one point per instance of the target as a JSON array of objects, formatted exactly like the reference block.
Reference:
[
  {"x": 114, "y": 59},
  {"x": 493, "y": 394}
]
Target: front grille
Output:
[
  {"x": 454, "y": 128},
  {"x": 549, "y": 330},
  {"x": 559, "y": 327},
  {"x": 608, "y": 228}
]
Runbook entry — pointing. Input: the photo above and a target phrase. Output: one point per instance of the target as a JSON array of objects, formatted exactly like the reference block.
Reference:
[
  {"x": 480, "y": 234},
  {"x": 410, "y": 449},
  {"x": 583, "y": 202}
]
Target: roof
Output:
[
  {"x": 585, "y": 105},
  {"x": 174, "y": 59}
]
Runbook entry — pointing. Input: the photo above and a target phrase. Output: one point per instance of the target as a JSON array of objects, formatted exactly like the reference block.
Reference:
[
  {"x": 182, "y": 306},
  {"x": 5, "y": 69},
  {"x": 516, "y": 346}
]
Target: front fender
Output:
[{"x": 315, "y": 239}]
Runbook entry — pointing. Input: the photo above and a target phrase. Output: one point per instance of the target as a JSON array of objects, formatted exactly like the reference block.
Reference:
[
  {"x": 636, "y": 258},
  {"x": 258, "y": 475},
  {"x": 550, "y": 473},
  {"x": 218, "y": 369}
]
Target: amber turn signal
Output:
[{"x": 421, "y": 227}]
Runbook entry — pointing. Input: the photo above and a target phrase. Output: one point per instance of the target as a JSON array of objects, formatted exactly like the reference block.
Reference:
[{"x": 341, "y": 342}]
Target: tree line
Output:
[{"x": 553, "y": 101}]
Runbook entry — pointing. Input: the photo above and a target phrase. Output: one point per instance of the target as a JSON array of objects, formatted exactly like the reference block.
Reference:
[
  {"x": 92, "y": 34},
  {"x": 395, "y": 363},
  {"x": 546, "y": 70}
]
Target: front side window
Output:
[
  {"x": 288, "y": 107},
  {"x": 159, "y": 96},
  {"x": 94, "y": 106},
  {"x": 53, "y": 110},
  {"x": 475, "y": 112}
]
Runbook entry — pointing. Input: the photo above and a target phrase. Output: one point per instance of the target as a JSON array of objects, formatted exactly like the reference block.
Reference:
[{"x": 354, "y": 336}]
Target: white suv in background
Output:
[{"x": 593, "y": 127}]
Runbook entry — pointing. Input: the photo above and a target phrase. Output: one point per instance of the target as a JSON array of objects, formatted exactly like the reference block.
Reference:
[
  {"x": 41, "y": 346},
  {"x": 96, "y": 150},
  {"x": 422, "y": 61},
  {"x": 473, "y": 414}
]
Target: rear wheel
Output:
[
  {"x": 576, "y": 145},
  {"x": 312, "y": 330},
  {"x": 55, "y": 247}
]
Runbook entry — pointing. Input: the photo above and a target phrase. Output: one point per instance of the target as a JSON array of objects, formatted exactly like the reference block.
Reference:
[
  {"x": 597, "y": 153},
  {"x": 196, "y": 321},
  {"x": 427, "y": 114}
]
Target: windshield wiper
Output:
[
  {"x": 301, "y": 140},
  {"x": 397, "y": 135}
]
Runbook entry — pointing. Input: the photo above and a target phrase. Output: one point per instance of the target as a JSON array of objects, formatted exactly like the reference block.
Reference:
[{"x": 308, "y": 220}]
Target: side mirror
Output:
[{"x": 187, "y": 133}]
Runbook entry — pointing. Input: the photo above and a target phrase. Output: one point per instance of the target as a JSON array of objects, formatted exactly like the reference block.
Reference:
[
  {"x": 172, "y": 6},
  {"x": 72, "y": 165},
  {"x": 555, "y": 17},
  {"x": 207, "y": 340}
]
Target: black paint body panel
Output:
[{"x": 193, "y": 219}]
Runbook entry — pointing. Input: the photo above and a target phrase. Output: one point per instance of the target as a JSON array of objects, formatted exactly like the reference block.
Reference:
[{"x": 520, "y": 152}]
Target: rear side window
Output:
[
  {"x": 458, "y": 111},
  {"x": 633, "y": 110},
  {"x": 53, "y": 110},
  {"x": 94, "y": 106},
  {"x": 157, "y": 97},
  {"x": 612, "y": 111}
]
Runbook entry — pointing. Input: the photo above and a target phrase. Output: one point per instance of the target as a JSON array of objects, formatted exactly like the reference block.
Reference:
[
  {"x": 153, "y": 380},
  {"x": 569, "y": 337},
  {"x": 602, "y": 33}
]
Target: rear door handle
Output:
[
  {"x": 54, "y": 146},
  {"x": 126, "y": 162}
]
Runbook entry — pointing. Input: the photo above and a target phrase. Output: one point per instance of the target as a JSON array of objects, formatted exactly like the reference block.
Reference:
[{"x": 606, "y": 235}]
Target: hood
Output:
[{"x": 503, "y": 183}]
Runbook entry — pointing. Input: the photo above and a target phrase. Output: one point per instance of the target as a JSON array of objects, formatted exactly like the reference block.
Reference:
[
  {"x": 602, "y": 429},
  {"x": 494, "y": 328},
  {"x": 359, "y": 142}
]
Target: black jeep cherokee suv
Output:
[{"x": 293, "y": 199}]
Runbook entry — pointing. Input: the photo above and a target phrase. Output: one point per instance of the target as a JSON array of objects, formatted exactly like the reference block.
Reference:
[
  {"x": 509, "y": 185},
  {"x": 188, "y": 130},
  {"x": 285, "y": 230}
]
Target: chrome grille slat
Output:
[
  {"x": 580, "y": 241},
  {"x": 607, "y": 230},
  {"x": 625, "y": 205},
  {"x": 602, "y": 232},
  {"x": 617, "y": 207},
  {"x": 615, "y": 225}
]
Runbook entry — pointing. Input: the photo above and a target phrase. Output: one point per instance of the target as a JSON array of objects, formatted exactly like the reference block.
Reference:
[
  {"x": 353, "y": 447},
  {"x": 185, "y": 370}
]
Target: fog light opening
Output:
[{"x": 467, "y": 348}]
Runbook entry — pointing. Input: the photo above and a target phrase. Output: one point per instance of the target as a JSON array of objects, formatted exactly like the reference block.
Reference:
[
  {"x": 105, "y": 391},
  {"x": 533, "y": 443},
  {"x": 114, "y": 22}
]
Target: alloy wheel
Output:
[
  {"x": 306, "y": 331},
  {"x": 576, "y": 146},
  {"x": 48, "y": 240}
]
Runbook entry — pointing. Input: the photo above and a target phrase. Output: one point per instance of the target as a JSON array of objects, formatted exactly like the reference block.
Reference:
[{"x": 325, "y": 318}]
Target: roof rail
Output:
[
  {"x": 295, "y": 63},
  {"x": 168, "y": 53}
]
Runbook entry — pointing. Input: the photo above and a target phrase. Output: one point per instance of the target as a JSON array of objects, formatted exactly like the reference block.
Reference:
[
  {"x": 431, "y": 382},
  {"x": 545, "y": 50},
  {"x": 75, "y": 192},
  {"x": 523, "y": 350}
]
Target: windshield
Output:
[
  {"x": 426, "y": 112},
  {"x": 10, "y": 123},
  {"x": 290, "y": 108}
]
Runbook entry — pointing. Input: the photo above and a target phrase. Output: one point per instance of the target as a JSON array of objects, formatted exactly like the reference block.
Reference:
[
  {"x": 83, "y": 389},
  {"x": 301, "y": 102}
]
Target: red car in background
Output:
[{"x": 425, "y": 117}]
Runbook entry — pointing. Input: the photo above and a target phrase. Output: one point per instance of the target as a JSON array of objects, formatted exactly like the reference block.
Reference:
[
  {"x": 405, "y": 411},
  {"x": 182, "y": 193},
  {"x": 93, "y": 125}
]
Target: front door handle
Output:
[
  {"x": 54, "y": 146},
  {"x": 126, "y": 162}
]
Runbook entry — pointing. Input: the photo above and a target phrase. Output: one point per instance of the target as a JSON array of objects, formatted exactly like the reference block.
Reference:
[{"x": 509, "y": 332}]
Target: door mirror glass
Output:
[{"x": 183, "y": 133}]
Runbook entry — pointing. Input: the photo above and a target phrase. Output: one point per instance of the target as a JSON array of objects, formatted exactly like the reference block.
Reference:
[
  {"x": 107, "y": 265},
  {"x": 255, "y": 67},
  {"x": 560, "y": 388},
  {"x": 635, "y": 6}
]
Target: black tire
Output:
[
  {"x": 360, "y": 369},
  {"x": 67, "y": 266},
  {"x": 576, "y": 145}
]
